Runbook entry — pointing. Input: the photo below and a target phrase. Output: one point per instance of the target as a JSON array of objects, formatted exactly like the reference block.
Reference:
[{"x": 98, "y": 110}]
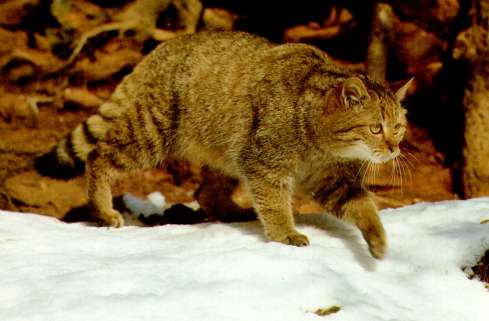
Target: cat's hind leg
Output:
[
  {"x": 101, "y": 168},
  {"x": 125, "y": 153}
]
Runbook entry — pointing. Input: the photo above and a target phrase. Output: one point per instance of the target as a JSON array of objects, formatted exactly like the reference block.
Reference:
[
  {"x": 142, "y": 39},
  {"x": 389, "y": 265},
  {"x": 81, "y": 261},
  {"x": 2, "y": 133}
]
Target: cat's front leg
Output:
[
  {"x": 272, "y": 198},
  {"x": 351, "y": 202},
  {"x": 362, "y": 212}
]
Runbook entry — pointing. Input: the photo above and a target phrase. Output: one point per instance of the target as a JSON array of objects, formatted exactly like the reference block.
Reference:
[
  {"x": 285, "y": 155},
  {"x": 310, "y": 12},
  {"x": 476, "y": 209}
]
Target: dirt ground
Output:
[
  {"x": 423, "y": 178},
  {"x": 22, "y": 189}
]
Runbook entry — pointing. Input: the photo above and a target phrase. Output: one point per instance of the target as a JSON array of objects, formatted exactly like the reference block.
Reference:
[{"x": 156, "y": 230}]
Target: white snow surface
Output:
[
  {"x": 53, "y": 271},
  {"x": 154, "y": 204}
]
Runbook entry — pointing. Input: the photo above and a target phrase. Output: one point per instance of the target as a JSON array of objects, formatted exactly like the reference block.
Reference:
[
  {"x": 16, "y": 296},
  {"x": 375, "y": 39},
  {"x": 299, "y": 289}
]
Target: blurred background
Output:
[{"x": 60, "y": 59}]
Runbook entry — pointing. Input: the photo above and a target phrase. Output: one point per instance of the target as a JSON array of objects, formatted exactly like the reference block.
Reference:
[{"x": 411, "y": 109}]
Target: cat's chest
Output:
[
  {"x": 312, "y": 171},
  {"x": 322, "y": 172}
]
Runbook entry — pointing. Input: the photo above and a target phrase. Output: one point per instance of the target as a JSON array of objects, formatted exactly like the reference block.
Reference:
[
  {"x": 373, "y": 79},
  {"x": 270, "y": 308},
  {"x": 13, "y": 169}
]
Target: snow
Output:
[
  {"x": 53, "y": 271},
  {"x": 155, "y": 204}
]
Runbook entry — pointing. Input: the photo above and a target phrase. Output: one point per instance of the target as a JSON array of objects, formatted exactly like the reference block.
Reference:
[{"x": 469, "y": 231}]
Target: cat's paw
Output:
[
  {"x": 296, "y": 239},
  {"x": 377, "y": 244},
  {"x": 112, "y": 219},
  {"x": 373, "y": 232},
  {"x": 292, "y": 238}
]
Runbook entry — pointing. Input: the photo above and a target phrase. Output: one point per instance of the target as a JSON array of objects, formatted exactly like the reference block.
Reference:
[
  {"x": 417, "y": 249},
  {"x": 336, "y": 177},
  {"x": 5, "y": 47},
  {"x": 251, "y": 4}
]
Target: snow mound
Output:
[
  {"x": 54, "y": 271},
  {"x": 155, "y": 204}
]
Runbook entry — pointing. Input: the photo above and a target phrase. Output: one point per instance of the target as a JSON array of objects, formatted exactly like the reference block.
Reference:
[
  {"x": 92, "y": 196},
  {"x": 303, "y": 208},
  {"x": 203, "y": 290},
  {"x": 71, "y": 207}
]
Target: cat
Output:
[{"x": 278, "y": 118}]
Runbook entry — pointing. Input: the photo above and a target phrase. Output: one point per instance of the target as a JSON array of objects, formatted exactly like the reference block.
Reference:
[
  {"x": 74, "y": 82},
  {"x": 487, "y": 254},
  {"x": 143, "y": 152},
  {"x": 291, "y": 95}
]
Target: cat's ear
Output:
[
  {"x": 353, "y": 92},
  {"x": 401, "y": 92}
]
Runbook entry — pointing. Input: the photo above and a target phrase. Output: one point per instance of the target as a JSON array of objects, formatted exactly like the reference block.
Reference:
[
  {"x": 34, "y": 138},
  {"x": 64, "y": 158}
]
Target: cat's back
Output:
[
  {"x": 224, "y": 57},
  {"x": 191, "y": 53},
  {"x": 197, "y": 71},
  {"x": 210, "y": 67}
]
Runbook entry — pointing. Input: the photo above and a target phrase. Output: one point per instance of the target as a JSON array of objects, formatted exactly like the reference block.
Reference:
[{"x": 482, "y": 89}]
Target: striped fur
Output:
[{"x": 278, "y": 118}]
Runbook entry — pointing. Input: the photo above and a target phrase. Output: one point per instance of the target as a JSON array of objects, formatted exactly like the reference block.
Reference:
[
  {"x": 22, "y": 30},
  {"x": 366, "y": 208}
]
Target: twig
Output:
[{"x": 32, "y": 103}]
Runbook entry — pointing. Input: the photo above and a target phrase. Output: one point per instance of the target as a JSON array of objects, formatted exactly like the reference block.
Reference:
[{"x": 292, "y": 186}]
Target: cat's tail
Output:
[{"x": 67, "y": 158}]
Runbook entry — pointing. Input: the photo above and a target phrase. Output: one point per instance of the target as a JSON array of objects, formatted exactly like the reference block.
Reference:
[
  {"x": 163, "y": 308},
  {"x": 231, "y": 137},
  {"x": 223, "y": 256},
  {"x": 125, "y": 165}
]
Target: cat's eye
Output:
[
  {"x": 397, "y": 129},
  {"x": 376, "y": 129}
]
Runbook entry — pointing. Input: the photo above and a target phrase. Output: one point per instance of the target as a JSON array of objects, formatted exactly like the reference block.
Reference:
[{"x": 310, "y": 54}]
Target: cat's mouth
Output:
[
  {"x": 379, "y": 157},
  {"x": 364, "y": 152}
]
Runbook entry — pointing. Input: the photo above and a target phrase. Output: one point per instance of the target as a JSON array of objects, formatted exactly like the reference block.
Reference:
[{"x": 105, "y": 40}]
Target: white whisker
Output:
[
  {"x": 408, "y": 153},
  {"x": 394, "y": 172},
  {"x": 401, "y": 171},
  {"x": 408, "y": 166},
  {"x": 361, "y": 169}
]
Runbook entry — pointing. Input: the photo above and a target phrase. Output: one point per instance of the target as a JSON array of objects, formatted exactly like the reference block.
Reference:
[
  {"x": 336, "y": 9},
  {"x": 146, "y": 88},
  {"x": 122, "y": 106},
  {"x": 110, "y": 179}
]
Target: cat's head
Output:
[{"x": 371, "y": 121}]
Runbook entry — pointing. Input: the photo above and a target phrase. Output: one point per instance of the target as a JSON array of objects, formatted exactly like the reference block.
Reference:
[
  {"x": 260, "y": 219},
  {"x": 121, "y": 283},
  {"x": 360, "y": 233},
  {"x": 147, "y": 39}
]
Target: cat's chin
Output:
[
  {"x": 383, "y": 159},
  {"x": 379, "y": 160},
  {"x": 358, "y": 151},
  {"x": 367, "y": 156}
]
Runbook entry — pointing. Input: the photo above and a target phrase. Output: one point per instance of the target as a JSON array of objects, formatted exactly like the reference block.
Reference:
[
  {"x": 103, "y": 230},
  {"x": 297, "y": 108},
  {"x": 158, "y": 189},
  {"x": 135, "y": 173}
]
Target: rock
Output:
[
  {"x": 34, "y": 190},
  {"x": 25, "y": 141},
  {"x": 12, "y": 12},
  {"x": 108, "y": 65},
  {"x": 81, "y": 97},
  {"x": 429, "y": 11},
  {"x": 218, "y": 19}
]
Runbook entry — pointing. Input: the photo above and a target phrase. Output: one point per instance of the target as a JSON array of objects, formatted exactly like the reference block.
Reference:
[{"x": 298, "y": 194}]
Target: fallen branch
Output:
[
  {"x": 336, "y": 23},
  {"x": 141, "y": 16}
]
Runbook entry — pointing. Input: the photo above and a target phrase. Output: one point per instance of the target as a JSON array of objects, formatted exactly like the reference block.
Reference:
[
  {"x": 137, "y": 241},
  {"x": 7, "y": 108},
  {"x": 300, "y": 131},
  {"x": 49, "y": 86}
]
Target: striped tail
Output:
[
  {"x": 61, "y": 162},
  {"x": 67, "y": 159}
]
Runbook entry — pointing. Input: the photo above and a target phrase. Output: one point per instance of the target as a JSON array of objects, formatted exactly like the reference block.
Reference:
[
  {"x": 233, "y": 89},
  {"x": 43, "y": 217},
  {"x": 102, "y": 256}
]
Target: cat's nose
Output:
[{"x": 392, "y": 147}]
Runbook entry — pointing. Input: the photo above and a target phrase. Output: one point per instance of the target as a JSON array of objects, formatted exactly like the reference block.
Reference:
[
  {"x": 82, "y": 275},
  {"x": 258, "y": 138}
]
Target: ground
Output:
[
  {"x": 54, "y": 271},
  {"x": 38, "y": 107}
]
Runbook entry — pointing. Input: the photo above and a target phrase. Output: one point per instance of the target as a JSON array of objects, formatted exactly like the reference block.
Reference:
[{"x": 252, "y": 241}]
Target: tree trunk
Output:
[
  {"x": 473, "y": 45},
  {"x": 381, "y": 39},
  {"x": 476, "y": 149}
]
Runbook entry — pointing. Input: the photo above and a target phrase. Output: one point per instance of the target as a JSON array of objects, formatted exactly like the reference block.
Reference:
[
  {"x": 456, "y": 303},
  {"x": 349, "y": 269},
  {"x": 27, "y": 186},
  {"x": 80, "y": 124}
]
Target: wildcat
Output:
[{"x": 279, "y": 118}]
